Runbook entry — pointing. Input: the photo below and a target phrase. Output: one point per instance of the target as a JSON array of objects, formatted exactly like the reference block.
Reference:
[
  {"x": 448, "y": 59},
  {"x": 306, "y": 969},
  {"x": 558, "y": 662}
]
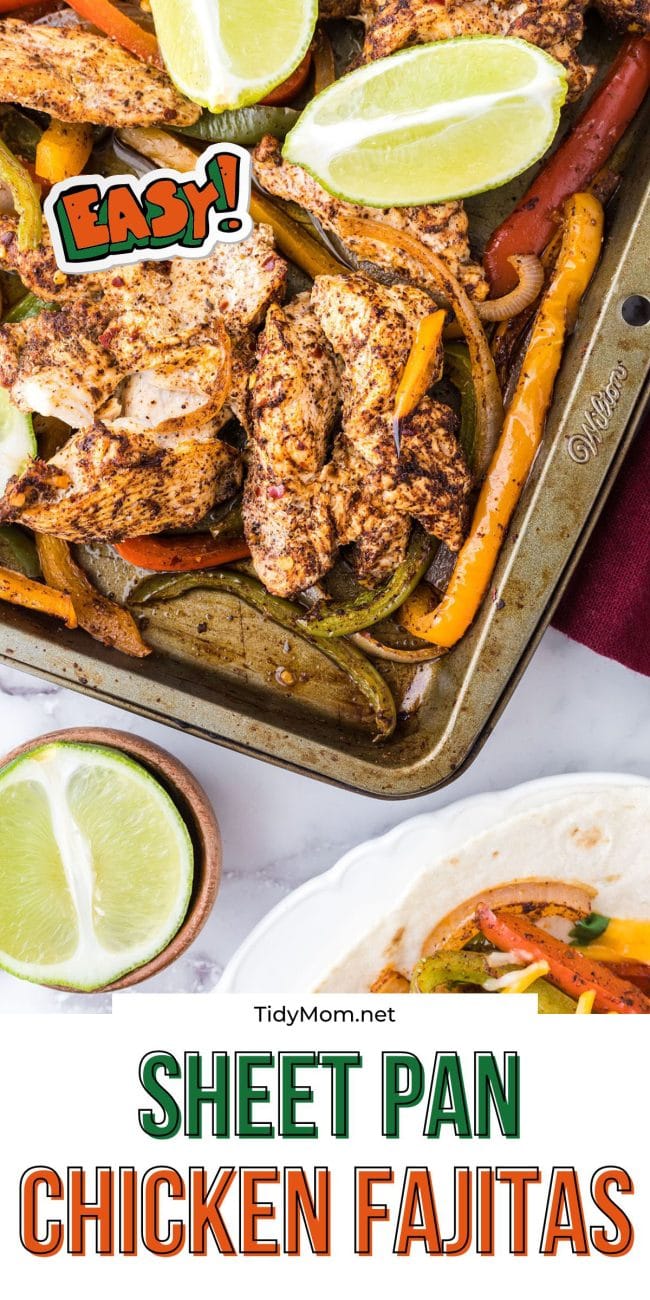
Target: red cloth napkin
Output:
[{"x": 607, "y": 603}]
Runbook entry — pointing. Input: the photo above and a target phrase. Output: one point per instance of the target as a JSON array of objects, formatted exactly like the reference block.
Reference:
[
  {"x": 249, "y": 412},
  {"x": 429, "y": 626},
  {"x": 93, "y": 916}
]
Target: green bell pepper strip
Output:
[
  {"x": 368, "y": 681},
  {"x": 458, "y": 368},
  {"x": 552, "y": 1001},
  {"x": 18, "y": 552},
  {"x": 26, "y": 198},
  {"x": 327, "y": 621},
  {"x": 28, "y": 306},
  {"x": 453, "y": 966},
  {"x": 244, "y": 126},
  {"x": 447, "y": 968},
  {"x": 227, "y": 521},
  {"x": 19, "y": 133}
]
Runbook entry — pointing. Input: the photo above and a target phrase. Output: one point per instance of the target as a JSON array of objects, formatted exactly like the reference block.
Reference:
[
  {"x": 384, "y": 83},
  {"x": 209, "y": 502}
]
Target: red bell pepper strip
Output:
[
  {"x": 567, "y": 969},
  {"x": 181, "y": 554},
  {"x": 587, "y": 147},
  {"x": 287, "y": 90},
  {"x": 636, "y": 972},
  {"x": 110, "y": 20},
  {"x": 10, "y": 6}
]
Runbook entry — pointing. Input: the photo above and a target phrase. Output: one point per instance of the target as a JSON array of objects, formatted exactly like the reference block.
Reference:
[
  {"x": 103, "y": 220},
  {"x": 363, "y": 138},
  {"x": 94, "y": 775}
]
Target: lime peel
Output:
[
  {"x": 438, "y": 151},
  {"x": 80, "y": 876},
  {"x": 223, "y": 56},
  {"x": 17, "y": 440}
]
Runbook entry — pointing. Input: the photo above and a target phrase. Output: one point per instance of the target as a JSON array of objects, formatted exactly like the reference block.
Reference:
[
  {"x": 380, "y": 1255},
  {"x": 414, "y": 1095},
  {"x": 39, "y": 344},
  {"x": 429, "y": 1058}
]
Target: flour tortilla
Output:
[{"x": 595, "y": 837}]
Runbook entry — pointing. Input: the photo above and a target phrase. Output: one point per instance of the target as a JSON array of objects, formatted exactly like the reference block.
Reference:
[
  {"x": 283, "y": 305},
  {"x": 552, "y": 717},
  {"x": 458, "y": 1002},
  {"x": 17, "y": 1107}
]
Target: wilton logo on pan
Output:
[{"x": 97, "y": 222}]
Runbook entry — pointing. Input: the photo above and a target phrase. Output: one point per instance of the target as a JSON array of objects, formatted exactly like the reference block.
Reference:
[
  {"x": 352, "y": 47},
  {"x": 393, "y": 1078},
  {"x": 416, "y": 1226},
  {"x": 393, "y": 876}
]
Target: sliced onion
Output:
[
  {"x": 379, "y": 650},
  {"x": 530, "y": 274},
  {"x": 534, "y": 898},
  {"x": 489, "y": 402}
]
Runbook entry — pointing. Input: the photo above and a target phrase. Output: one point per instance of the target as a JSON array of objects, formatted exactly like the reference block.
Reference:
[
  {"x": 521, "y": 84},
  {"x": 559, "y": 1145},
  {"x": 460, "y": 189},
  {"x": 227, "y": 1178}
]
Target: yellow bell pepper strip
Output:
[
  {"x": 63, "y": 150},
  {"x": 26, "y": 197},
  {"x": 521, "y": 435},
  {"x": 112, "y": 22},
  {"x": 104, "y": 620},
  {"x": 294, "y": 241},
  {"x": 423, "y": 367},
  {"x": 291, "y": 238},
  {"x": 19, "y": 590}
]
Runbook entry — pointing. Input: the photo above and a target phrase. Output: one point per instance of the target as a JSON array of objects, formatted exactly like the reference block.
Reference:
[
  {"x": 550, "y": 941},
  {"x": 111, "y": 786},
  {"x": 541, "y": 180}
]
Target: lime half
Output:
[
  {"x": 435, "y": 122},
  {"x": 96, "y": 866},
  {"x": 17, "y": 441},
  {"x": 226, "y": 55}
]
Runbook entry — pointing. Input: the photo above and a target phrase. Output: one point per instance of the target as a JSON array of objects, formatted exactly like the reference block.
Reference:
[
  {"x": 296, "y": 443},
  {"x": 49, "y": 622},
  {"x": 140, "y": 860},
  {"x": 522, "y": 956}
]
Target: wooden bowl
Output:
[{"x": 195, "y": 809}]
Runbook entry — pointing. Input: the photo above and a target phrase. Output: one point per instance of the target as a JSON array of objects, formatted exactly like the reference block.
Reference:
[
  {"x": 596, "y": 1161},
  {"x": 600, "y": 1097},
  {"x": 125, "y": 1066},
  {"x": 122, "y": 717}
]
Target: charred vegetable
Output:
[
  {"x": 367, "y": 680},
  {"x": 370, "y": 607}
]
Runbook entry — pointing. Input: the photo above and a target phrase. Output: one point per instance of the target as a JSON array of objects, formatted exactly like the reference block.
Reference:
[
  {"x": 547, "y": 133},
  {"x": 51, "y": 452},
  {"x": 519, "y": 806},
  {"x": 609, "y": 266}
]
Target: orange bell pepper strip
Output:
[
  {"x": 181, "y": 554},
  {"x": 63, "y": 150},
  {"x": 18, "y": 590},
  {"x": 100, "y": 617},
  {"x": 424, "y": 364},
  {"x": 110, "y": 20},
  {"x": 568, "y": 969},
  {"x": 521, "y": 435}
]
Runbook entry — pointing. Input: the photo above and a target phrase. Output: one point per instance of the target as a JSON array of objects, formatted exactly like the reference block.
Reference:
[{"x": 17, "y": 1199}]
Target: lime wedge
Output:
[
  {"x": 96, "y": 866},
  {"x": 432, "y": 123},
  {"x": 226, "y": 55},
  {"x": 17, "y": 441}
]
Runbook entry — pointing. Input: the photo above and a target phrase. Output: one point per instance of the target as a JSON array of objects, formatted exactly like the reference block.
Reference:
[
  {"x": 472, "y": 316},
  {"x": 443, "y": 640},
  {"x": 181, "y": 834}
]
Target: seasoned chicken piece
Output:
[
  {"x": 555, "y": 25},
  {"x": 39, "y": 272},
  {"x": 161, "y": 324},
  {"x": 294, "y": 403},
  {"x": 110, "y": 483},
  {"x": 372, "y": 493},
  {"x": 237, "y": 282},
  {"x": 142, "y": 366},
  {"x": 632, "y": 15},
  {"x": 79, "y": 76},
  {"x": 53, "y": 364},
  {"x": 442, "y": 227}
]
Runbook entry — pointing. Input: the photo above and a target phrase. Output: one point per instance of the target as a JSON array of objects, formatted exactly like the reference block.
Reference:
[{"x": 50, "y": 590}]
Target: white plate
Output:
[{"x": 293, "y": 949}]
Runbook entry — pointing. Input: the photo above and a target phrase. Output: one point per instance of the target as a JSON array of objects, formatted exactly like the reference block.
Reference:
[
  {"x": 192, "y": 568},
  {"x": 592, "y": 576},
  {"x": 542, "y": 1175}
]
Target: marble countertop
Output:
[{"x": 572, "y": 711}]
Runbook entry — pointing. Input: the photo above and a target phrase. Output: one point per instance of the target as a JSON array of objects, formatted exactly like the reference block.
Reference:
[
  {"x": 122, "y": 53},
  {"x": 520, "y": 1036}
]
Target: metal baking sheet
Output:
[{"x": 216, "y": 670}]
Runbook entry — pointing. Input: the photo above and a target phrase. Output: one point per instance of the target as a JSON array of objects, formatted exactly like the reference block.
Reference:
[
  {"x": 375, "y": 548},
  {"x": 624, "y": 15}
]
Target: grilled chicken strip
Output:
[
  {"x": 142, "y": 366},
  {"x": 555, "y": 25},
  {"x": 442, "y": 227},
  {"x": 631, "y": 15},
  {"x": 115, "y": 483},
  {"x": 294, "y": 403},
  {"x": 237, "y": 281},
  {"x": 372, "y": 493},
  {"x": 150, "y": 336},
  {"x": 78, "y": 76}
]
